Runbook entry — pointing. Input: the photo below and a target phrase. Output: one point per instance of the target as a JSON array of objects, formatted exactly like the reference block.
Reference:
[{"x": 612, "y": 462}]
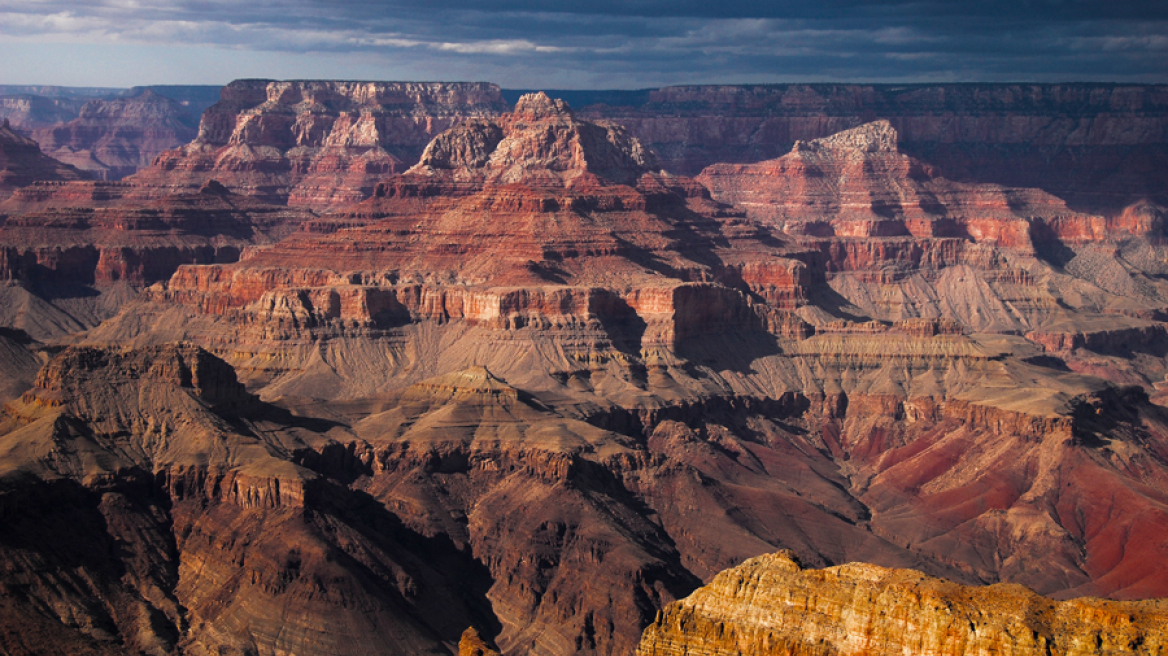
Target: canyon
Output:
[{"x": 389, "y": 368}]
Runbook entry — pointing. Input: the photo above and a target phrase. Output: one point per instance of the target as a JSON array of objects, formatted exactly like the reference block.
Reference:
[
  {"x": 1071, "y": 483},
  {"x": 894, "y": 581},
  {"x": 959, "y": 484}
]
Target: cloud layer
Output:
[{"x": 603, "y": 43}]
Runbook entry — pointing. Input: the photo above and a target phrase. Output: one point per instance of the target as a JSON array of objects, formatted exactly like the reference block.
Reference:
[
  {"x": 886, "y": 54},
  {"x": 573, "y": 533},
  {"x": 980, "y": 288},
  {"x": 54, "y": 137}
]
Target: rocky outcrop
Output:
[
  {"x": 857, "y": 183},
  {"x": 540, "y": 144},
  {"x": 22, "y": 163},
  {"x": 770, "y": 605},
  {"x": 472, "y": 644},
  {"x": 316, "y": 143}
]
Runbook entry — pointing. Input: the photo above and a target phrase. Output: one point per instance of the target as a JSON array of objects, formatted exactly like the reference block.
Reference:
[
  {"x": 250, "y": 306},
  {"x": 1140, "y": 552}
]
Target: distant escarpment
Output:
[
  {"x": 316, "y": 143},
  {"x": 1100, "y": 147},
  {"x": 770, "y": 605}
]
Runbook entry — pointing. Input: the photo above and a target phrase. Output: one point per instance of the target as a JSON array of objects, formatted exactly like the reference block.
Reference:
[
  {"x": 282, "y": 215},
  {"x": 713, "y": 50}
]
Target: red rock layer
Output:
[
  {"x": 858, "y": 184},
  {"x": 316, "y": 143}
]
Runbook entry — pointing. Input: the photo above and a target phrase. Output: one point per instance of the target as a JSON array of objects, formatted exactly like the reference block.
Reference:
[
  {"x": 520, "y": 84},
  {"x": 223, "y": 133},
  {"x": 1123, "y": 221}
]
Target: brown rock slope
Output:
[
  {"x": 316, "y": 143},
  {"x": 192, "y": 530},
  {"x": 22, "y": 163},
  {"x": 770, "y": 605}
]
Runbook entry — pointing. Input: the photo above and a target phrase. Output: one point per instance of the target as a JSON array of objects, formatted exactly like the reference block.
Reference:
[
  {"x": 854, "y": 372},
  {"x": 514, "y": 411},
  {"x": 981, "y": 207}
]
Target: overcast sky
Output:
[{"x": 600, "y": 44}]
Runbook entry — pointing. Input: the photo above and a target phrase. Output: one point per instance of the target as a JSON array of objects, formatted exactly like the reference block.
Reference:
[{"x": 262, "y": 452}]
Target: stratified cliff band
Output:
[{"x": 771, "y": 605}]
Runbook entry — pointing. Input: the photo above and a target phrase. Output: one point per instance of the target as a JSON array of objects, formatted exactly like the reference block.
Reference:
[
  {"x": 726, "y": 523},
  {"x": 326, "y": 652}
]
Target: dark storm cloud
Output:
[{"x": 646, "y": 42}]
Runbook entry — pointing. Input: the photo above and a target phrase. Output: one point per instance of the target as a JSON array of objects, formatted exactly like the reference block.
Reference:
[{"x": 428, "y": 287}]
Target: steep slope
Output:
[
  {"x": 770, "y": 605},
  {"x": 20, "y": 360},
  {"x": 22, "y": 163},
  {"x": 315, "y": 143}
]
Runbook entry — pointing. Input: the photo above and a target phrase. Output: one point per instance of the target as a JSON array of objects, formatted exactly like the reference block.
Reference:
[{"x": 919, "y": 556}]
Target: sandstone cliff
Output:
[{"x": 770, "y": 605}]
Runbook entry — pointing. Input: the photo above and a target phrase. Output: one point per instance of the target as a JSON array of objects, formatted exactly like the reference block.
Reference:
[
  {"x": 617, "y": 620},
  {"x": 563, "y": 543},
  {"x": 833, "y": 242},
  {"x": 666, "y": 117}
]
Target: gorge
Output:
[{"x": 364, "y": 365}]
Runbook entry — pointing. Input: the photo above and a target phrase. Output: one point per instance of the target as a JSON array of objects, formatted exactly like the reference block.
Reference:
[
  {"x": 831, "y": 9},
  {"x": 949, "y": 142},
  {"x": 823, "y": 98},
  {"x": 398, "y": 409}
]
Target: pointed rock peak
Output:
[
  {"x": 475, "y": 379},
  {"x": 875, "y": 137},
  {"x": 472, "y": 643},
  {"x": 214, "y": 188},
  {"x": 537, "y": 106},
  {"x": 12, "y": 138}
]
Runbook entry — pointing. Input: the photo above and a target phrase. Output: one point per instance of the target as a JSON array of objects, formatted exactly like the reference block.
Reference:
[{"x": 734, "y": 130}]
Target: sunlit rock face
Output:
[{"x": 771, "y": 605}]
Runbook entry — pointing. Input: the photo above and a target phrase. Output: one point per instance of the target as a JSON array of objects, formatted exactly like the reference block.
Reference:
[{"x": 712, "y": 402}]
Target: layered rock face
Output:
[
  {"x": 166, "y": 495},
  {"x": 316, "y": 143},
  {"x": 857, "y": 183},
  {"x": 22, "y": 163},
  {"x": 770, "y": 605},
  {"x": 72, "y": 252},
  {"x": 89, "y": 234}
]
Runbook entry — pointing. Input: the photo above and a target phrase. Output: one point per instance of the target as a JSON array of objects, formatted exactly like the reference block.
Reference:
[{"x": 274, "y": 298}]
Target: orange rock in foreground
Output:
[{"x": 770, "y": 605}]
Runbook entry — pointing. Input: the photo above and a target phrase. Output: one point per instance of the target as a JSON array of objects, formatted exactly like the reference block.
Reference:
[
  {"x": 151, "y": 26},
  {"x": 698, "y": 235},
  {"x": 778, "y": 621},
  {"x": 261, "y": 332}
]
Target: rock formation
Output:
[
  {"x": 770, "y": 605},
  {"x": 857, "y": 183},
  {"x": 30, "y": 112},
  {"x": 22, "y": 163},
  {"x": 316, "y": 143}
]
